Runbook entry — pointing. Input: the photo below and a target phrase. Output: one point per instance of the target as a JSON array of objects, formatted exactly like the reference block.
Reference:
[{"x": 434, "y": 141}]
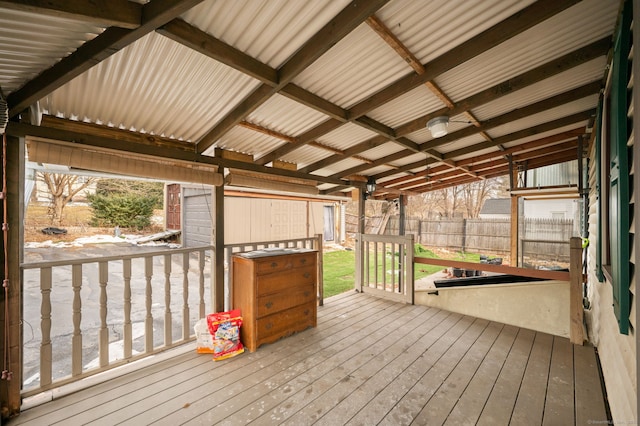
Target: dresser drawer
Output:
[
  {"x": 282, "y": 263},
  {"x": 277, "y": 302},
  {"x": 286, "y": 280},
  {"x": 273, "y": 327}
]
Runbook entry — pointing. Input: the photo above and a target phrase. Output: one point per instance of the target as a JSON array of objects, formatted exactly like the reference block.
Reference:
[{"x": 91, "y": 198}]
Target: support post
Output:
[
  {"x": 359, "y": 243},
  {"x": 10, "y": 397},
  {"x": 576, "y": 313},
  {"x": 217, "y": 293},
  {"x": 402, "y": 225}
]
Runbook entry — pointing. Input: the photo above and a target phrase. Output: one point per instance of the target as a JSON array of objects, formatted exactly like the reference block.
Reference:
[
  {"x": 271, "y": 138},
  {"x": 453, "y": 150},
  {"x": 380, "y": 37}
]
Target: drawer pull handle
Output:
[
  {"x": 268, "y": 326},
  {"x": 306, "y": 293},
  {"x": 268, "y": 305},
  {"x": 274, "y": 264},
  {"x": 306, "y": 275},
  {"x": 303, "y": 261},
  {"x": 306, "y": 312}
]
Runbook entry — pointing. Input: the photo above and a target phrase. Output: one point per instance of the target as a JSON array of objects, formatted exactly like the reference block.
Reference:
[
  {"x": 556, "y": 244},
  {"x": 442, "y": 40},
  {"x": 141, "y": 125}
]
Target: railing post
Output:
[
  {"x": 359, "y": 262},
  {"x": 128, "y": 330},
  {"x": 201, "y": 261},
  {"x": 186, "y": 329},
  {"x": 76, "y": 340},
  {"x": 317, "y": 245},
  {"x": 103, "y": 343},
  {"x": 409, "y": 271},
  {"x": 46, "y": 357},
  {"x": 167, "y": 301},
  {"x": 576, "y": 312},
  {"x": 148, "y": 320}
]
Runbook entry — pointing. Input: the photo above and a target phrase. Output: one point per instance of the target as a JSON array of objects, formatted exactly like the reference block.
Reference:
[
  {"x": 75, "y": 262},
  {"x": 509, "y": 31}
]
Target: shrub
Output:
[{"x": 123, "y": 210}]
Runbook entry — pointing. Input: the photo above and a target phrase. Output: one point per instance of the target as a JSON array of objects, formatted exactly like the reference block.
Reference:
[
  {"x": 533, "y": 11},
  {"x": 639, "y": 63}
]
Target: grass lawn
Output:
[{"x": 339, "y": 269}]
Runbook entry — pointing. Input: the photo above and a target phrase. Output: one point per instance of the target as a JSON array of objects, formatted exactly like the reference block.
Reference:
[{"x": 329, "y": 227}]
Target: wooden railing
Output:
[
  {"x": 314, "y": 243},
  {"x": 106, "y": 309},
  {"x": 385, "y": 266}
]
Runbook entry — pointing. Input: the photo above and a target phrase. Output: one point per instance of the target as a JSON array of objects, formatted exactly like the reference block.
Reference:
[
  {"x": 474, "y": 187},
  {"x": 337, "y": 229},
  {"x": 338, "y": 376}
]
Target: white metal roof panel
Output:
[
  {"x": 30, "y": 43},
  {"x": 306, "y": 155},
  {"x": 431, "y": 28},
  {"x": 346, "y": 136},
  {"x": 581, "y": 24},
  {"x": 247, "y": 141},
  {"x": 382, "y": 151},
  {"x": 414, "y": 104},
  {"x": 188, "y": 91},
  {"x": 460, "y": 143},
  {"x": 576, "y": 77},
  {"x": 543, "y": 135},
  {"x": 356, "y": 67},
  {"x": 338, "y": 166},
  {"x": 268, "y": 30},
  {"x": 285, "y": 116},
  {"x": 546, "y": 116}
]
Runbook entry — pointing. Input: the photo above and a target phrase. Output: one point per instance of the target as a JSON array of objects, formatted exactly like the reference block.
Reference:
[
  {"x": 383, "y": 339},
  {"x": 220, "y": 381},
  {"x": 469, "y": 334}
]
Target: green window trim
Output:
[{"x": 619, "y": 196}]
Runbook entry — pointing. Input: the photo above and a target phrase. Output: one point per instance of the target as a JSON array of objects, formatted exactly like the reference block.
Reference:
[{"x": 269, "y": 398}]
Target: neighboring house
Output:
[{"x": 496, "y": 208}]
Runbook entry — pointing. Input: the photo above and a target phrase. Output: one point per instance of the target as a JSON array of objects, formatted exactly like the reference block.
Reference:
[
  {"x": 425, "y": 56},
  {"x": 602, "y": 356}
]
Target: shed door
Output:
[{"x": 173, "y": 206}]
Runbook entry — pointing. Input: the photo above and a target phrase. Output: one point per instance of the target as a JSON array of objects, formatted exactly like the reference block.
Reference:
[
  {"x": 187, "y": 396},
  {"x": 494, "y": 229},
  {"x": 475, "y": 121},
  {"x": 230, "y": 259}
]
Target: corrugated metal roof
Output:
[
  {"x": 157, "y": 86},
  {"x": 182, "y": 94},
  {"x": 268, "y": 30},
  {"x": 30, "y": 43},
  {"x": 285, "y": 116},
  {"x": 358, "y": 66},
  {"x": 306, "y": 155},
  {"x": 584, "y": 23},
  {"x": 346, "y": 136},
  {"x": 431, "y": 28},
  {"x": 247, "y": 141},
  {"x": 412, "y": 105},
  {"x": 543, "y": 117},
  {"x": 576, "y": 77}
]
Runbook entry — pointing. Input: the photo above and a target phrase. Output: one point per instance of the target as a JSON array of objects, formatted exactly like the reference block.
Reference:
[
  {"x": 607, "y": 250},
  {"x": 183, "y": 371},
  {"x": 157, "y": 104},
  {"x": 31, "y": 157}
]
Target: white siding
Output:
[{"x": 617, "y": 352}]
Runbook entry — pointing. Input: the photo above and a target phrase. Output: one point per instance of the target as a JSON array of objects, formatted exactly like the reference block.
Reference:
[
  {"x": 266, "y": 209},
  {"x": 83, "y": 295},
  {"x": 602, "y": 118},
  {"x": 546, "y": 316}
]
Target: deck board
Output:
[{"x": 369, "y": 361}]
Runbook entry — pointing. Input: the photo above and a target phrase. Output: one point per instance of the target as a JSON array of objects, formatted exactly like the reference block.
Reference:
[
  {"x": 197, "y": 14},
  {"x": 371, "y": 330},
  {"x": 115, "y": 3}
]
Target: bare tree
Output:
[{"x": 63, "y": 188}]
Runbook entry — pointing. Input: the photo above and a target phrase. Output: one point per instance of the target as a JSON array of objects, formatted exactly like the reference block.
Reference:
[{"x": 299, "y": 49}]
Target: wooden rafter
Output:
[
  {"x": 105, "y": 13},
  {"x": 347, "y": 20}
]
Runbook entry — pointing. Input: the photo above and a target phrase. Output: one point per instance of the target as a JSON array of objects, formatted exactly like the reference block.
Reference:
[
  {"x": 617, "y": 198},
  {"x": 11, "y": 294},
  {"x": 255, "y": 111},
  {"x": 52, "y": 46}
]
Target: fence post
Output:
[{"x": 576, "y": 313}]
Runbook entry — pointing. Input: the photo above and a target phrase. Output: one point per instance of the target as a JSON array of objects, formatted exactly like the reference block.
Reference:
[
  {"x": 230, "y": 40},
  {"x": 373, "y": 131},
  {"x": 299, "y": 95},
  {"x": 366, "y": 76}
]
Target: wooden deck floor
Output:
[{"x": 369, "y": 361}]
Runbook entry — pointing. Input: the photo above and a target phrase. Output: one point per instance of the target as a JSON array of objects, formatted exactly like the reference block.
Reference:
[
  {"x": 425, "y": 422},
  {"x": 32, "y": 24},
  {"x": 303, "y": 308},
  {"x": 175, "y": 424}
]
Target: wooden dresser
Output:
[{"x": 276, "y": 292}]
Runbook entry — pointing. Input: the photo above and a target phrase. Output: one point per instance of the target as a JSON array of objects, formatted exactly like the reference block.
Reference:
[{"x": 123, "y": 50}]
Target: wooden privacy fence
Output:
[{"x": 538, "y": 236}]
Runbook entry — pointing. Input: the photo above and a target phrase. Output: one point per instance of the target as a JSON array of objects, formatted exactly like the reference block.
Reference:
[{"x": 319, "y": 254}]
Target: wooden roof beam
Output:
[
  {"x": 104, "y": 13},
  {"x": 336, "y": 29}
]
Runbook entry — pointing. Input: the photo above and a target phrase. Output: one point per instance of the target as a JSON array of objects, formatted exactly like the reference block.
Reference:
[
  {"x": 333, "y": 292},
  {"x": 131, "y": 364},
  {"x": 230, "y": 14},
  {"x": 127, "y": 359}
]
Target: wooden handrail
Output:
[{"x": 502, "y": 269}]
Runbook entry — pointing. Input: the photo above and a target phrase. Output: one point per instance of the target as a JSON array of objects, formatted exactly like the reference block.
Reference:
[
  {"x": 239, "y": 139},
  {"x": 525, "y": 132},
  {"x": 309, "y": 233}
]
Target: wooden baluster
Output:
[
  {"x": 76, "y": 340},
  {"x": 46, "y": 357},
  {"x": 103, "y": 342},
  {"x": 186, "y": 330},
  {"x": 128, "y": 332},
  {"x": 168, "y": 321},
  {"x": 148, "y": 321},
  {"x": 201, "y": 260}
]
